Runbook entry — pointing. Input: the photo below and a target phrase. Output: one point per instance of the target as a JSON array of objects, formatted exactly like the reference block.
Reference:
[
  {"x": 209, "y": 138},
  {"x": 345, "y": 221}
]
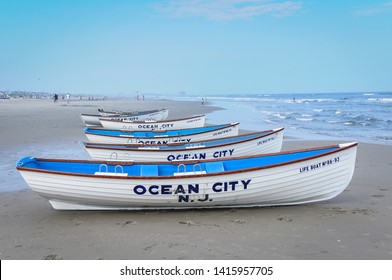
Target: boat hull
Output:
[
  {"x": 156, "y": 115},
  {"x": 150, "y": 116},
  {"x": 315, "y": 179},
  {"x": 254, "y": 143},
  {"x": 226, "y": 131},
  {"x": 197, "y": 121}
]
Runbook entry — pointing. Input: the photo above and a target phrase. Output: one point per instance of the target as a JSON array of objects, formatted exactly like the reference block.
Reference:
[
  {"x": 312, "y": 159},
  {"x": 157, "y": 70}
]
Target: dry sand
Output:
[{"x": 355, "y": 225}]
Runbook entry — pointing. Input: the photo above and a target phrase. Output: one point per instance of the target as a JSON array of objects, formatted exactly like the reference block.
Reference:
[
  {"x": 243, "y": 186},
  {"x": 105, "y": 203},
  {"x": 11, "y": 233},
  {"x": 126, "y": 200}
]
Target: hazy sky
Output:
[{"x": 196, "y": 46}]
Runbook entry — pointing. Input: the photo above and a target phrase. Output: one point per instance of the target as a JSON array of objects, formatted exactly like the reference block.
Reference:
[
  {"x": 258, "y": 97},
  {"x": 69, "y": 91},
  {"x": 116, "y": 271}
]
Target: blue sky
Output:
[{"x": 200, "y": 47}]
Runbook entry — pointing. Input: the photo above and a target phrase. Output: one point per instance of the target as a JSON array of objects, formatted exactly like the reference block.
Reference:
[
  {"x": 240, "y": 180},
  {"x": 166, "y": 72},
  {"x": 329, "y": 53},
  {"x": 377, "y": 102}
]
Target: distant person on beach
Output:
[
  {"x": 55, "y": 98},
  {"x": 68, "y": 97},
  {"x": 202, "y": 101}
]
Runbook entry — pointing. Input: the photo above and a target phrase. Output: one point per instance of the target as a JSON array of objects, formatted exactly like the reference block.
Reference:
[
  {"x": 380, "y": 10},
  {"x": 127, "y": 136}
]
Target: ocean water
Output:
[{"x": 365, "y": 117}]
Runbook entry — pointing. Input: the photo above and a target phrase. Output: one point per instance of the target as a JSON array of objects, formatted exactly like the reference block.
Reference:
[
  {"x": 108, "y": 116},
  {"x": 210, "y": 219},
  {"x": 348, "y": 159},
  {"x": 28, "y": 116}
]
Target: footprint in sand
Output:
[
  {"x": 51, "y": 257},
  {"x": 285, "y": 219}
]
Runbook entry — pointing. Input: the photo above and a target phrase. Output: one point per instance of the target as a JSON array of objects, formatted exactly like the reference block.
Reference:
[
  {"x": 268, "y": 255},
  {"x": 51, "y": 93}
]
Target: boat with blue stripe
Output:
[
  {"x": 161, "y": 137},
  {"x": 268, "y": 141},
  {"x": 285, "y": 178}
]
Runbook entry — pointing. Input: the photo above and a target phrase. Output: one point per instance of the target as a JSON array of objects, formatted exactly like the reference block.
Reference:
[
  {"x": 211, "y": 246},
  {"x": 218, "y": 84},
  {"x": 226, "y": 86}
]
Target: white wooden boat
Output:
[
  {"x": 157, "y": 115},
  {"x": 162, "y": 137},
  {"x": 288, "y": 178},
  {"x": 154, "y": 115},
  {"x": 106, "y": 113},
  {"x": 191, "y": 122},
  {"x": 268, "y": 141}
]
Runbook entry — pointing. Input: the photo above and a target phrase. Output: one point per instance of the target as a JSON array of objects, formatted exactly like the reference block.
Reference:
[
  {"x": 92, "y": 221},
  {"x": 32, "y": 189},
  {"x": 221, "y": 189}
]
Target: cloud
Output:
[
  {"x": 373, "y": 10},
  {"x": 226, "y": 10}
]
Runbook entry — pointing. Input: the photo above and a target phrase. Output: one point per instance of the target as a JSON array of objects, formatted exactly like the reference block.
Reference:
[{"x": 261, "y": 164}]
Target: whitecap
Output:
[
  {"x": 279, "y": 115},
  {"x": 269, "y": 121},
  {"x": 304, "y": 119}
]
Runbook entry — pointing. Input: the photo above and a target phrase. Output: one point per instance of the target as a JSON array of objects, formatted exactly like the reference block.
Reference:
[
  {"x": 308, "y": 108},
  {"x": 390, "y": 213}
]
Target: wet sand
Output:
[{"x": 355, "y": 225}]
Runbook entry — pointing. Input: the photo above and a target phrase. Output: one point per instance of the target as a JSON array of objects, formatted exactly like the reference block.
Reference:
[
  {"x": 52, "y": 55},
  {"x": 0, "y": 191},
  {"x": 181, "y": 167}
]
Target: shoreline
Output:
[{"x": 351, "y": 226}]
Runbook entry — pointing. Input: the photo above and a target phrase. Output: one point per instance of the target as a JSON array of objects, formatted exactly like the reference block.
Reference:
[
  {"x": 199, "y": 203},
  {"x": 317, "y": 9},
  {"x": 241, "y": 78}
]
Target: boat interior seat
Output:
[
  {"x": 149, "y": 170},
  {"x": 212, "y": 167}
]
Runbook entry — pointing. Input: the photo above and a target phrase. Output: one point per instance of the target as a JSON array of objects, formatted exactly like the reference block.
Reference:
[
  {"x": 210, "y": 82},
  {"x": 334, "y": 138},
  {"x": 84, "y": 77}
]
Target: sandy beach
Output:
[{"x": 355, "y": 225}]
